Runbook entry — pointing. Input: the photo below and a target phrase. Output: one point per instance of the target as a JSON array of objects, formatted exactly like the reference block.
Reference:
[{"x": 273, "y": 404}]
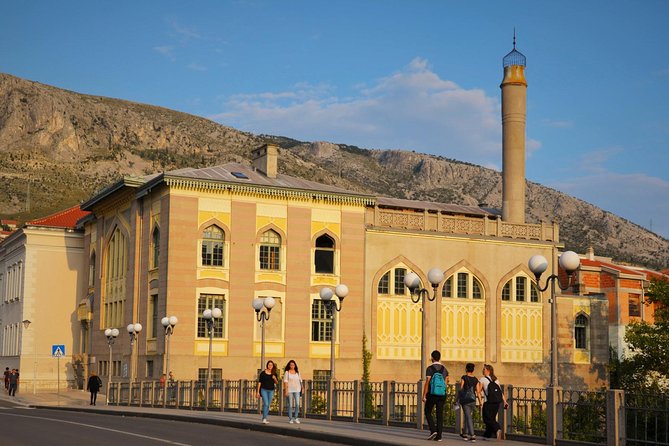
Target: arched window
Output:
[
  {"x": 91, "y": 271},
  {"x": 115, "y": 275},
  {"x": 324, "y": 255},
  {"x": 518, "y": 288},
  {"x": 392, "y": 282},
  {"x": 384, "y": 284},
  {"x": 155, "y": 247},
  {"x": 213, "y": 239},
  {"x": 467, "y": 286},
  {"x": 270, "y": 250},
  {"x": 581, "y": 331}
]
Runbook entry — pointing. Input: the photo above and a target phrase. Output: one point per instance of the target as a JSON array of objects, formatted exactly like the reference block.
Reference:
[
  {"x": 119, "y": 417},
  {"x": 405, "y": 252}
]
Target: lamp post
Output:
[
  {"x": 435, "y": 276},
  {"x": 111, "y": 334},
  {"x": 263, "y": 308},
  {"x": 26, "y": 323},
  {"x": 168, "y": 323},
  {"x": 133, "y": 331},
  {"x": 210, "y": 317},
  {"x": 326, "y": 295},
  {"x": 569, "y": 261}
]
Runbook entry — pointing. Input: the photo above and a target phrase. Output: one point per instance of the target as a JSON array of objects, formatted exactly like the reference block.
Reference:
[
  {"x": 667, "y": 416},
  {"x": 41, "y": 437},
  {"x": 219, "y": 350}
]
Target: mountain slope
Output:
[{"x": 57, "y": 147}]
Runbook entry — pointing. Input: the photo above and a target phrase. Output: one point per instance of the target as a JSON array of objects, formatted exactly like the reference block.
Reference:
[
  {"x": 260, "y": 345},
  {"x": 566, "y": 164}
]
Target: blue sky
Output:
[{"x": 409, "y": 75}]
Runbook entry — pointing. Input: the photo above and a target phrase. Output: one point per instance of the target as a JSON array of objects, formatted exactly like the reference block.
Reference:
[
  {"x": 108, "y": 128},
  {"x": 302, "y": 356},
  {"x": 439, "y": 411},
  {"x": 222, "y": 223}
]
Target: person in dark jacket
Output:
[{"x": 93, "y": 386}]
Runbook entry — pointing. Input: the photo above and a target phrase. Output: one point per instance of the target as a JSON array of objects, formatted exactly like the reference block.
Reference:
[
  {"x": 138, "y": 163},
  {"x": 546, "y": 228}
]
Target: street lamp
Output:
[
  {"x": 111, "y": 334},
  {"x": 210, "y": 317},
  {"x": 326, "y": 295},
  {"x": 569, "y": 261},
  {"x": 263, "y": 308},
  {"x": 26, "y": 323},
  {"x": 133, "y": 331},
  {"x": 168, "y": 323}
]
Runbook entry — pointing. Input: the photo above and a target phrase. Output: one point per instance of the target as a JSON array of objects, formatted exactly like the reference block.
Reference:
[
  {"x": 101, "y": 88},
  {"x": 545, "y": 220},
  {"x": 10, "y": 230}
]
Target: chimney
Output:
[
  {"x": 590, "y": 253},
  {"x": 265, "y": 159}
]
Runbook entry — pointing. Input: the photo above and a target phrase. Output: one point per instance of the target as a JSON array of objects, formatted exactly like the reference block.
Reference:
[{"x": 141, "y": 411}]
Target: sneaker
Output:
[
  {"x": 472, "y": 439},
  {"x": 499, "y": 434},
  {"x": 297, "y": 420},
  {"x": 466, "y": 438},
  {"x": 264, "y": 421},
  {"x": 433, "y": 436},
  {"x": 291, "y": 421}
]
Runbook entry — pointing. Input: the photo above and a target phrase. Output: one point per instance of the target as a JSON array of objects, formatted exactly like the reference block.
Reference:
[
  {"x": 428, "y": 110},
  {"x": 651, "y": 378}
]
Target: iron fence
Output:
[
  {"x": 583, "y": 416},
  {"x": 527, "y": 412},
  {"x": 647, "y": 419}
]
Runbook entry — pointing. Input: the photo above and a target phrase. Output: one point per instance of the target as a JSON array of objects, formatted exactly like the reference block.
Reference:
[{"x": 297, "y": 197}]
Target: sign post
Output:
[{"x": 58, "y": 350}]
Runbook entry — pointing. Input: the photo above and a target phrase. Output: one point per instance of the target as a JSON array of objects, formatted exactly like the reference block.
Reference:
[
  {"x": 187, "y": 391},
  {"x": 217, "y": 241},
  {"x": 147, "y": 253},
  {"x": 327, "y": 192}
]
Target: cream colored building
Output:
[{"x": 40, "y": 266}]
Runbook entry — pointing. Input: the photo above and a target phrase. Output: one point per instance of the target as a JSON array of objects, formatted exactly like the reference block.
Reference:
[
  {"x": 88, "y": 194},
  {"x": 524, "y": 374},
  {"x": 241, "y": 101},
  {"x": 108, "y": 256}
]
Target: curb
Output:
[{"x": 242, "y": 425}]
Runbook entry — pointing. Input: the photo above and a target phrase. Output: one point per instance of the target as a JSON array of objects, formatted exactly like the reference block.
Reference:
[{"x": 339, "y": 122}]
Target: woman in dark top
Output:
[
  {"x": 93, "y": 386},
  {"x": 267, "y": 381},
  {"x": 469, "y": 381}
]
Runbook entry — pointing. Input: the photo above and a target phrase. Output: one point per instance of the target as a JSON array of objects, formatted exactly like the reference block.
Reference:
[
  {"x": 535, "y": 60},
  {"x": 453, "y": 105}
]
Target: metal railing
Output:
[{"x": 580, "y": 416}]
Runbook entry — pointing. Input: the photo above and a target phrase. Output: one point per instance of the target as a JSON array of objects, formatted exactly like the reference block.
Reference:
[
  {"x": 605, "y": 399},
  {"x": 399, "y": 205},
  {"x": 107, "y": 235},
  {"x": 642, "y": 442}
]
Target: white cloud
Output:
[
  {"x": 167, "y": 51},
  {"x": 412, "y": 109},
  {"x": 196, "y": 67}
]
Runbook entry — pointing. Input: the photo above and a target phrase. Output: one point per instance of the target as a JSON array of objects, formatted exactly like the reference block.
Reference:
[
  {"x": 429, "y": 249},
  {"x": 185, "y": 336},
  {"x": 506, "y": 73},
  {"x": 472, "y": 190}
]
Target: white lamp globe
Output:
[
  {"x": 326, "y": 293},
  {"x": 341, "y": 291},
  {"x": 216, "y": 312},
  {"x": 269, "y": 302},
  {"x": 114, "y": 332},
  {"x": 206, "y": 314},
  {"x": 138, "y": 327},
  {"x": 130, "y": 328},
  {"x": 569, "y": 261},
  {"x": 435, "y": 276},
  {"x": 165, "y": 321},
  {"x": 412, "y": 281},
  {"x": 173, "y": 320},
  {"x": 257, "y": 303},
  {"x": 537, "y": 264},
  {"x": 108, "y": 332}
]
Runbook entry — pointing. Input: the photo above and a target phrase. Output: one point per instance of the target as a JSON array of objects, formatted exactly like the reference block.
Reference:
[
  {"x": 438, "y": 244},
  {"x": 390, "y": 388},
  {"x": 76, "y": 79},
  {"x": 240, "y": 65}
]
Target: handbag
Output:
[{"x": 466, "y": 395}]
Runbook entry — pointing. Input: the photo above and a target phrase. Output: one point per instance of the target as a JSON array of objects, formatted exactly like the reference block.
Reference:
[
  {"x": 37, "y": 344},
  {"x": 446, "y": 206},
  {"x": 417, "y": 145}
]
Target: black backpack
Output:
[{"x": 494, "y": 393}]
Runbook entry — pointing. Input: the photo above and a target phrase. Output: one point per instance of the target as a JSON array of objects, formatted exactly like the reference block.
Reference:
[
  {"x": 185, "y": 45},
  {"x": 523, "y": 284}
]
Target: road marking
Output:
[{"x": 162, "y": 440}]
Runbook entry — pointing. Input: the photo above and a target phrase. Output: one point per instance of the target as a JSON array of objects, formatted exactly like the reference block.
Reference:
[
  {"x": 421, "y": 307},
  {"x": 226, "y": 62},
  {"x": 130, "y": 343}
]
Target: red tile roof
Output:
[
  {"x": 599, "y": 263},
  {"x": 63, "y": 219}
]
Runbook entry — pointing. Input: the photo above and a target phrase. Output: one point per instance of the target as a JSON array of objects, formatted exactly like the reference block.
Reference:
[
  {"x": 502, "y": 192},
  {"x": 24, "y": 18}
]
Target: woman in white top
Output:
[
  {"x": 292, "y": 389},
  {"x": 493, "y": 398}
]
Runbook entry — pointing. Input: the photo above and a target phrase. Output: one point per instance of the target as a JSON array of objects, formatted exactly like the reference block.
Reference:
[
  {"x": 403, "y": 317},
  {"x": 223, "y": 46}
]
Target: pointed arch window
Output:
[
  {"x": 384, "y": 284},
  {"x": 155, "y": 247},
  {"x": 324, "y": 255},
  {"x": 519, "y": 288},
  {"x": 213, "y": 240},
  {"x": 115, "y": 280},
  {"x": 91, "y": 270},
  {"x": 270, "y": 251},
  {"x": 581, "y": 331},
  {"x": 463, "y": 285}
]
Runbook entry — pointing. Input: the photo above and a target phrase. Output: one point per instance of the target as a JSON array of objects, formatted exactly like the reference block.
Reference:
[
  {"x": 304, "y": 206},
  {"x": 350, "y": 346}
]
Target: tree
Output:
[{"x": 647, "y": 365}]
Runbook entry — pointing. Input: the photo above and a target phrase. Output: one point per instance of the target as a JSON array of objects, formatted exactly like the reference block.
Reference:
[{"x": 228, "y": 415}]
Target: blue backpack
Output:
[{"x": 437, "y": 383}]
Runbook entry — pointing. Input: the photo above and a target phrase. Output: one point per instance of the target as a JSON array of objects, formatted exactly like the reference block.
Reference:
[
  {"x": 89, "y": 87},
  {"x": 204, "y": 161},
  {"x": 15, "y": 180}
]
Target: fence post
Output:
[
  {"x": 506, "y": 416},
  {"x": 553, "y": 417},
  {"x": 459, "y": 418},
  {"x": 356, "y": 401},
  {"x": 420, "y": 405},
  {"x": 224, "y": 395},
  {"x": 330, "y": 392},
  {"x": 615, "y": 417},
  {"x": 386, "y": 403},
  {"x": 306, "y": 398},
  {"x": 240, "y": 395}
]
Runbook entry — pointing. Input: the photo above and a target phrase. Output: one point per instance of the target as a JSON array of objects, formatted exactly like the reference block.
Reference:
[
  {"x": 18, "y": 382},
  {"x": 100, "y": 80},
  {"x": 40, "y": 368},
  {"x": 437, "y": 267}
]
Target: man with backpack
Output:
[{"x": 434, "y": 394}]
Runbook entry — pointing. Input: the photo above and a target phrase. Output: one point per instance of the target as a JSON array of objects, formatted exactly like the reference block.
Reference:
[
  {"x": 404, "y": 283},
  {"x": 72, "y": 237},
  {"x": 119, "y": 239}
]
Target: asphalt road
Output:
[{"x": 20, "y": 426}]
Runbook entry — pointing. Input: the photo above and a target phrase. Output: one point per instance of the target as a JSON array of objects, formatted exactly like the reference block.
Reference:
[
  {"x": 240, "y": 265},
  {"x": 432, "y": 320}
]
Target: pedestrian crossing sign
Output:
[{"x": 57, "y": 351}]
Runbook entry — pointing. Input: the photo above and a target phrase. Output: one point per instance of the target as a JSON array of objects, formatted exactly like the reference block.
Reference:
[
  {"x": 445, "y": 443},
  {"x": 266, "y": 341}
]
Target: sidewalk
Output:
[{"x": 334, "y": 431}]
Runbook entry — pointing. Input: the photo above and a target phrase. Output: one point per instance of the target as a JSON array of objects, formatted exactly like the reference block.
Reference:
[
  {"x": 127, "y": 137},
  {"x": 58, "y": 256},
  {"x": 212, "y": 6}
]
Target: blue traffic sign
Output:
[{"x": 57, "y": 351}]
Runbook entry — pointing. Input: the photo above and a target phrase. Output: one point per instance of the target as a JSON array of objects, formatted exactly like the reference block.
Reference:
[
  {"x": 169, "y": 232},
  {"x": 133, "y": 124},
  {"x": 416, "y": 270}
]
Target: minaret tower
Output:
[{"x": 514, "y": 112}]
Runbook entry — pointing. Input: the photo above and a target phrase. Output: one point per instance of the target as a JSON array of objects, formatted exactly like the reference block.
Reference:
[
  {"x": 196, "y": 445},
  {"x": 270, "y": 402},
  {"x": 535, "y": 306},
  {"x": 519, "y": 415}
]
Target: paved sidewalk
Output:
[{"x": 334, "y": 431}]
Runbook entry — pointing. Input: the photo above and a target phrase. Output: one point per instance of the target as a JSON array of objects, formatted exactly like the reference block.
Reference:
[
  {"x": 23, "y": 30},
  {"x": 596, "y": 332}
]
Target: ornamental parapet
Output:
[{"x": 485, "y": 225}]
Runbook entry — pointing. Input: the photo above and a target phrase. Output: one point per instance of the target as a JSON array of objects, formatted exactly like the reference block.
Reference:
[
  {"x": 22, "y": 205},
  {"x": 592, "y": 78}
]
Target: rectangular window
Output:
[
  {"x": 634, "y": 305},
  {"x": 462, "y": 285},
  {"x": 216, "y": 375},
  {"x": 212, "y": 253},
  {"x": 210, "y": 301},
  {"x": 269, "y": 257},
  {"x": 520, "y": 289},
  {"x": 149, "y": 368},
  {"x": 321, "y": 324},
  {"x": 400, "y": 288},
  {"x": 324, "y": 261},
  {"x": 153, "y": 321},
  {"x": 321, "y": 378}
]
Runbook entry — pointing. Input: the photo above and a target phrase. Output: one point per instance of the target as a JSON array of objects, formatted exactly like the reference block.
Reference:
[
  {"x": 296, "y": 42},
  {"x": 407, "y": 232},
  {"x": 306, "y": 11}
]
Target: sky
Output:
[{"x": 383, "y": 74}]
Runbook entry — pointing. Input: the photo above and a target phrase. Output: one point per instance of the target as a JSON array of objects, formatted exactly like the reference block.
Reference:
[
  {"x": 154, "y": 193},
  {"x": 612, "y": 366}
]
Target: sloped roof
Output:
[
  {"x": 63, "y": 219},
  {"x": 619, "y": 268},
  {"x": 432, "y": 206}
]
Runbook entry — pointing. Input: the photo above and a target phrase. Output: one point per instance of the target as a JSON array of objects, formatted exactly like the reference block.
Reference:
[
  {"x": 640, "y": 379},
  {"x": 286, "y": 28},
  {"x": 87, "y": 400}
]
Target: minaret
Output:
[{"x": 514, "y": 111}]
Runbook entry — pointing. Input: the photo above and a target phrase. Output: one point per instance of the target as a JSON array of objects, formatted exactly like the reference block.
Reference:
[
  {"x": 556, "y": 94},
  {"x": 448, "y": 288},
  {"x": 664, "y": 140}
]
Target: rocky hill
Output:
[{"x": 57, "y": 147}]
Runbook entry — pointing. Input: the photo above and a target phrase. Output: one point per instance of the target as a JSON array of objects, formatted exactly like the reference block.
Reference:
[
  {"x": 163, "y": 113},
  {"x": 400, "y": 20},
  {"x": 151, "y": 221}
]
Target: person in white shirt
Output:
[
  {"x": 492, "y": 403},
  {"x": 292, "y": 389}
]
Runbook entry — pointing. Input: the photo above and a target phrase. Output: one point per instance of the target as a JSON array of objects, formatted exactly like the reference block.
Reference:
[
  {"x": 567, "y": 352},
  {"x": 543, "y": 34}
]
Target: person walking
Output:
[
  {"x": 267, "y": 381},
  {"x": 434, "y": 394},
  {"x": 13, "y": 382},
  {"x": 470, "y": 393},
  {"x": 493, "y": 398},
  {"x": 7, "y": 373},
  {"x": 292, "y": 389},
  {"x": 172, "y": 387},
  {"x": 93, "y": 386}
]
